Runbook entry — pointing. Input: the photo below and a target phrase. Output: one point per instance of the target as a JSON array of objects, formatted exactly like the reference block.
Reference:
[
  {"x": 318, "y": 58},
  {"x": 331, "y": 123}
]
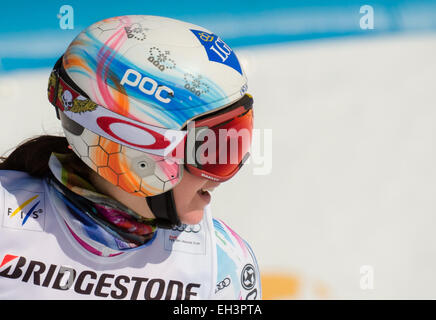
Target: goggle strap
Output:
[
  {"x": 53, "y": 96},
  {"x": 57, "y": 81}
]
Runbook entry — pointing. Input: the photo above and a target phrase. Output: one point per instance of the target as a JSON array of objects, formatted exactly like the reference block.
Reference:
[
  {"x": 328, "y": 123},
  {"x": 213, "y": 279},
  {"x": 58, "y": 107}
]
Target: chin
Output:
[{"x": 192, "y": 217}]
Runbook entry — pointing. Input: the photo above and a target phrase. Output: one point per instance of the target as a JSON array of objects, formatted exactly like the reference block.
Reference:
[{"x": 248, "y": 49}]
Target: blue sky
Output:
[{"x": 30, "y": 35}]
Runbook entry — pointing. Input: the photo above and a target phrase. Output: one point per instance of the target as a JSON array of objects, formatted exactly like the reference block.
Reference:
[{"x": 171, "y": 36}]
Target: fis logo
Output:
[{"x": 24, "y": 210}]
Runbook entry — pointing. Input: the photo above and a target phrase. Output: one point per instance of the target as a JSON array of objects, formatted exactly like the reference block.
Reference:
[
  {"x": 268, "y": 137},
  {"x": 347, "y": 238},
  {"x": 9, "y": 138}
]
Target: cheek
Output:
[
  {"x": 184, "y": 192},
  {"x": 188, "y": 203}
]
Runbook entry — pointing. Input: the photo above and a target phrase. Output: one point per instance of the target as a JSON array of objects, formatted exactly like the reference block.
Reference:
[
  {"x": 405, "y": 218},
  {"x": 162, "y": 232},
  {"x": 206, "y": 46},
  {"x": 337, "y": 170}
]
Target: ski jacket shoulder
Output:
[{"x": 238, "y": 275}]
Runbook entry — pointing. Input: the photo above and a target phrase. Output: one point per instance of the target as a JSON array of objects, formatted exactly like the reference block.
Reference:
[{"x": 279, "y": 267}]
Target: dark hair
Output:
[{"x": 32, "y": 155}]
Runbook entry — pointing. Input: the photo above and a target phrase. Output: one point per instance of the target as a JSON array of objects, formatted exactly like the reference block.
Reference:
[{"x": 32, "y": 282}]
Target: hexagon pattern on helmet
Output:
[
  {"x": 114, "y": 163},
  {"x": 153, "y": 70}
]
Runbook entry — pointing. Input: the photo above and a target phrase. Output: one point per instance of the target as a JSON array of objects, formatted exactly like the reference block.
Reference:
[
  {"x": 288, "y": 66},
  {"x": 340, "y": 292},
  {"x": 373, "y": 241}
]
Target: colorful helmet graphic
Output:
[{"x": 127, "y": 90}]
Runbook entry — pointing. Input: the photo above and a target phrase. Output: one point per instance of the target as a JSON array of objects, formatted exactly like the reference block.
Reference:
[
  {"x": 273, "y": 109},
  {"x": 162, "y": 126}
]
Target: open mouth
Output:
[
  {"x": 205, "y": 193},
  {"x": 205, "y": 190}
]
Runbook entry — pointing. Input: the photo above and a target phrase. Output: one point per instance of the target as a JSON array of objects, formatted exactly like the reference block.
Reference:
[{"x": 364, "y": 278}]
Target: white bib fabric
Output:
[{"x": 40, "y": 257}]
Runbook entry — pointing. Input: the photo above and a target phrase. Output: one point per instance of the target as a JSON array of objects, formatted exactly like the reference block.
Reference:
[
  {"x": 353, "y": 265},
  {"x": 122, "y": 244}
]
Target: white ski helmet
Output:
[{"x": 132, "y": 84}]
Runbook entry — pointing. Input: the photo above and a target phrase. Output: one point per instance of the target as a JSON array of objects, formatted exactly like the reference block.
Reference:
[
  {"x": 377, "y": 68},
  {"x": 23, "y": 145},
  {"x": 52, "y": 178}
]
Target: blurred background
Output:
[{"x": 340, "y": 200}]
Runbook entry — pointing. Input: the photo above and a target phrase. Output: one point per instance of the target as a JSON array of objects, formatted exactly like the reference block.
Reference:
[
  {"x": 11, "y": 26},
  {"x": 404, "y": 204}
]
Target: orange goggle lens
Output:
[{"x": 222, "y": 142}]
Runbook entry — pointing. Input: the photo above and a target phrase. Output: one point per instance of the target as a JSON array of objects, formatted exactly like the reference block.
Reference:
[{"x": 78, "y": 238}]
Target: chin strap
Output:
[{"x": 164, "y": 209}]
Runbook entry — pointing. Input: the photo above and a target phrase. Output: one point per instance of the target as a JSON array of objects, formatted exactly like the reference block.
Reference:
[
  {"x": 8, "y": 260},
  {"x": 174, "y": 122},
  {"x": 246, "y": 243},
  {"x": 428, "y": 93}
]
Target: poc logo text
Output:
[{"x": 147, "y": 85}]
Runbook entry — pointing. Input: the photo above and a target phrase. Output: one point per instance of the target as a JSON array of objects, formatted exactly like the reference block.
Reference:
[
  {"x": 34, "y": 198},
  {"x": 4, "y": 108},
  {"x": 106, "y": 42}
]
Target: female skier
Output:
[{"x": 155, "y": 115}]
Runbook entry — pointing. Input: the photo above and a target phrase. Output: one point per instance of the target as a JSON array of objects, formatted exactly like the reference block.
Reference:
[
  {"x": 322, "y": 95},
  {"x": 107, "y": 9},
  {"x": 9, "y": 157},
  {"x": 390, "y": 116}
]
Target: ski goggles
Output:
[
  {"x": 218, "y": 144},
  {"x": 214, "y": 146}
]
